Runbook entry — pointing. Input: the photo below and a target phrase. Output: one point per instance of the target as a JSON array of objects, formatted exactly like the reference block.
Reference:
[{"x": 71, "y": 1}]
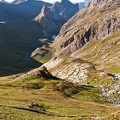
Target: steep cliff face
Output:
[{"x": 89, "y": 24}]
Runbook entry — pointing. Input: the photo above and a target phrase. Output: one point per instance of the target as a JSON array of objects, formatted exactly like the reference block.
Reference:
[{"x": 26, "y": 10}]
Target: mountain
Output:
[
  {"x": 64, "y": 10},
  {"x": 25, "y": 10},
  {"x": 52, "y": 18},
  {"x": 94, "y": 24},
  {"x": 50, "y": 25},
  {"x": 81, "y": 79},
  {"x": 22, "y": 24},
  {"x": 87, "y": 49},
  {"x": 19, "y": 36},
  {"x": 30, "y": 9}
]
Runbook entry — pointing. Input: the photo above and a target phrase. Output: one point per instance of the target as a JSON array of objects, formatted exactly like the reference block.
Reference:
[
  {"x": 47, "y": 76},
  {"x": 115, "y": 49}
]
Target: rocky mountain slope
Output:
[
  {"x": 87, "y": 49},
  {"x": 92, "y": 34}
]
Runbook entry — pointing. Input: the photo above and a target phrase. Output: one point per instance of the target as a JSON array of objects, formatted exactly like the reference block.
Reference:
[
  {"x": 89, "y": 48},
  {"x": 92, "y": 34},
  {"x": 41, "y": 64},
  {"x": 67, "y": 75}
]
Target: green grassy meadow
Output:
[{"x": 60, "y": 99}]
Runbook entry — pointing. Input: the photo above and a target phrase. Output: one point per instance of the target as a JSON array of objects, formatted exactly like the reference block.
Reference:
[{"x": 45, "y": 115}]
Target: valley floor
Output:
[{"x": 16, "y": 96}]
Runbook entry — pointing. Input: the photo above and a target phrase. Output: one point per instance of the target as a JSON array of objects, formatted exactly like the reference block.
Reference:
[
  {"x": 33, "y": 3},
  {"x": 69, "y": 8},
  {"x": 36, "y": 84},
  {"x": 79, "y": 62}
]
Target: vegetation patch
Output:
[
  {"x": 67, "y": 88},
  {"x": 33, "y": 85}
]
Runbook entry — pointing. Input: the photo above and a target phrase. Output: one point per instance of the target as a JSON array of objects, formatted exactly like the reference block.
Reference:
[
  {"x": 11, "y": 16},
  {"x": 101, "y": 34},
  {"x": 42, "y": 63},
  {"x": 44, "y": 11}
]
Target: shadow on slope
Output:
[
  {"x": 17, "y": 66},
  {"x": 17, "y": 41}
]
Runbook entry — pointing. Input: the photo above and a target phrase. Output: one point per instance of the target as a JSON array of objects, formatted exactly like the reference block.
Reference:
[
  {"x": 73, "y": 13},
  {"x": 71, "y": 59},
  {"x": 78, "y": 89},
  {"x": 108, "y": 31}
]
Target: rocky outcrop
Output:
[
  {"x": 75, "y": 71},
  {"x": 40, "y": 72},
  {"x": 112, "y": 90},
  {"x": 36, "y": 106},
  {"x": 42, "y": 53}
]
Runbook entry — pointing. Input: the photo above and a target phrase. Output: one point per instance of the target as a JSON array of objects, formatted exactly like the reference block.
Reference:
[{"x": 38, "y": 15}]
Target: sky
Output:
[
  {"x": 52, "y": 1},
  {"x": 74, "y": 1}
]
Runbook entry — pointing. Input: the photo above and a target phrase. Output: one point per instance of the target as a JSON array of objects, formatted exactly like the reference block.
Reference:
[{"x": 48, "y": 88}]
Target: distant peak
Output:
[
  {"x": 31, "y": 0},
  {"x": 65, "y": 1},
  {"x": 44, "y": 9},
  {"x": 43, "y": 14}
]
